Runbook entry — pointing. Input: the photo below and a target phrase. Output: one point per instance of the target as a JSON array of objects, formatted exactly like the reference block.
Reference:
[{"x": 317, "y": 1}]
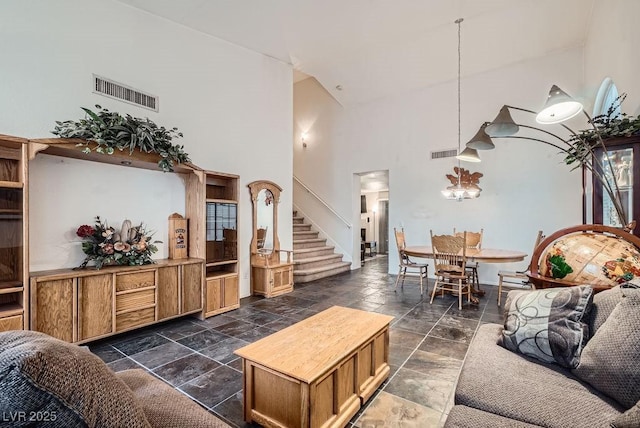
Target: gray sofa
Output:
[
  {"x": 501, "y": 388},
  {"x": 45, "y": 382}
]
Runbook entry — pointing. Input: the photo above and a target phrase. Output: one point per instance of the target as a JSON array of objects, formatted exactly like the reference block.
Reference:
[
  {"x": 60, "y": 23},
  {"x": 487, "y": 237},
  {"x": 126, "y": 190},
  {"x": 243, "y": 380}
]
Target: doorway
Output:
[
  {"x": 374, "y": 213},
  {"x": 383, "y": 226}
]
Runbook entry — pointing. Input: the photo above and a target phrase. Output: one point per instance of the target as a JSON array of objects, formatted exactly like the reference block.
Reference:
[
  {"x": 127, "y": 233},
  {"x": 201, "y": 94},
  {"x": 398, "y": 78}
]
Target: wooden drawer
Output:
[
  {"x": 135, "y": 300},
  {"x": 128, "y": 281},
  {"x": 11, "y": 323},
  {"x": 133, "y": 319}
]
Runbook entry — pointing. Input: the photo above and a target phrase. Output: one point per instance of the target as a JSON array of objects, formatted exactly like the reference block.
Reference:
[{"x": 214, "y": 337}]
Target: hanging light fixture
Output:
[{"x": 462, "y": 188}]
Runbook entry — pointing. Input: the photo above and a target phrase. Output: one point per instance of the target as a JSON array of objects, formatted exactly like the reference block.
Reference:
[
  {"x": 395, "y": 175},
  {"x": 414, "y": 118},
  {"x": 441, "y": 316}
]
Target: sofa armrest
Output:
[{"x": 164, "y": 406}]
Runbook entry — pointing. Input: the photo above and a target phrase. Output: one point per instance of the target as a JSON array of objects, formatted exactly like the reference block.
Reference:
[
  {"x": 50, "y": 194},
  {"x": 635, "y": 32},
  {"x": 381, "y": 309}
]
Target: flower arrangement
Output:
[{"x": 132, "y": 245}]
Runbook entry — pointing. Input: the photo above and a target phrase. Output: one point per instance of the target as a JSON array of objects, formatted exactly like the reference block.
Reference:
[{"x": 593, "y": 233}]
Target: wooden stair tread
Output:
[
  {"x": 317, "y": 258},
  {"x": 312, "y": 249},
  {"x": 304, "y": 241},
  {"x": 321, "y": 268}
]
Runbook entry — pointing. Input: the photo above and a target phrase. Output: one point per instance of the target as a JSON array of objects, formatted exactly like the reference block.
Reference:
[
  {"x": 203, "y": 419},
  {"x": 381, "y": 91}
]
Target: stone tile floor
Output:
[{"x": 428, "y": 343}]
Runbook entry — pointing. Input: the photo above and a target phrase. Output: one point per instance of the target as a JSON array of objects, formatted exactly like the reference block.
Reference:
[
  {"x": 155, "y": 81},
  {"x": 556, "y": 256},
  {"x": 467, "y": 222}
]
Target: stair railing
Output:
[{"x": 322, "y": 201}]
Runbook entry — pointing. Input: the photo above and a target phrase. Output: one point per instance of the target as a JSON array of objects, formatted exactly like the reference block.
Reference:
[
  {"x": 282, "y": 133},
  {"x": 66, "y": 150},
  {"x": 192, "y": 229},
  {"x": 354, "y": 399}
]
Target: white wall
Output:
[
  {"x": 526, "y": 186},
  {"x": 233, "y": 105},
  {"x": 317, "y": 167}
]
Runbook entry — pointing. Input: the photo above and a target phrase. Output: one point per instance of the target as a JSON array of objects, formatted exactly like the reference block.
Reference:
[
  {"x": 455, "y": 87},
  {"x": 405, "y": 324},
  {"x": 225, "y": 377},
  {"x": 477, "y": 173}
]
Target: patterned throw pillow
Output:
[
  {"x": 549, "y": 325},
  {"x": 46, "y": 382},
  {"x": 611, "y": 359}
]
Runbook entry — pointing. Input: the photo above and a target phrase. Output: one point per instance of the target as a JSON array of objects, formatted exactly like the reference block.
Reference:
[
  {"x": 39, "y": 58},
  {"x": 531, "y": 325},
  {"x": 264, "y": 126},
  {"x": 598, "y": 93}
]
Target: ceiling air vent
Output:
[
  {"x": 444, "y": 154},
  {"x": 116, "y": 90}
]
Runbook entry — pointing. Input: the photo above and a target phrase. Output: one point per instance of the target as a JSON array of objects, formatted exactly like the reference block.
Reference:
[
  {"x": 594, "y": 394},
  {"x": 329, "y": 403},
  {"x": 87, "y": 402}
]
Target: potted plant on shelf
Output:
[{"x": 111, "y": 131}]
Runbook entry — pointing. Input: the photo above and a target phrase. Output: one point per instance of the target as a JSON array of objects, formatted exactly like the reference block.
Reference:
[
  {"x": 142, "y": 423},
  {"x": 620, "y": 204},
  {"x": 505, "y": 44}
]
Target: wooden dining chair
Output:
[
  {"x": 516, "y": 279},
  {"x": 450, "y": 258},
  {"x": 261, "y": 234},
  {"x": 406, "y": 263},
  {"x": 474, "y": 241}
]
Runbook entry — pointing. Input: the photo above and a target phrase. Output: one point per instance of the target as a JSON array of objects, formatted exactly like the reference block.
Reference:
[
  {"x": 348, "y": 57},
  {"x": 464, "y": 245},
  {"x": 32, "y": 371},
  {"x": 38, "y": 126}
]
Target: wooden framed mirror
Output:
[{"x": 271, "y": 270}]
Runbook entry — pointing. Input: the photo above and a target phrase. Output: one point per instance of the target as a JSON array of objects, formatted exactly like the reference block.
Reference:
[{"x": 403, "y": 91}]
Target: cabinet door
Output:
[
  {"x": 622, "y": 163},
  {"x": 373, "y": 364},
  {"x": 282, "y": 278},
  {"x": 191, "y": 287},
  {"x": 214, "y": 294},
  {"x": 95, "y": 306},
  {"x": 52, "y": 308},
  {"x": 230, "y": 291},
  {"x": 168, "y": 289}
]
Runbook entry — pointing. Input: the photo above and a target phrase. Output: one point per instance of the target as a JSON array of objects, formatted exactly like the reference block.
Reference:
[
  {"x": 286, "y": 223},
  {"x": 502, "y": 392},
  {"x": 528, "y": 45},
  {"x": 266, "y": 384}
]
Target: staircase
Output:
[{"x": 312, "y": 257}]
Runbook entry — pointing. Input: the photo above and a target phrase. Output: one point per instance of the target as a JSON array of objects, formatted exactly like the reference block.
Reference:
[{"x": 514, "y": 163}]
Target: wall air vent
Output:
[
  {"x": 444, "y": 154},
  {"x": 116, "y": 90}
]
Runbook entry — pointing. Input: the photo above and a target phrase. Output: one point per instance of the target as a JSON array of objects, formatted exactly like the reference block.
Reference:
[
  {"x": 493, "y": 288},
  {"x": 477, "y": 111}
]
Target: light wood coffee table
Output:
[{"x": 318, "y": 372}]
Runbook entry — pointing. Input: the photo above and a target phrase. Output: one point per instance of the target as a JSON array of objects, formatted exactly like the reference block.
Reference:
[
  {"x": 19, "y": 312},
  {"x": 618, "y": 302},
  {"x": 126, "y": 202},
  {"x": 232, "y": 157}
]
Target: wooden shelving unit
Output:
[
  {"x": 212, "y": 207},
  {"x": 14, "y": 260},
  {"x": 79, "y": 306}
]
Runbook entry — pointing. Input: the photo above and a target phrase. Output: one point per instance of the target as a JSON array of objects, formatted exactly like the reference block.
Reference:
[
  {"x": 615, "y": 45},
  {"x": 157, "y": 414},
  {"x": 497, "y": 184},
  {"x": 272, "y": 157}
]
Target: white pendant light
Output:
[{"x": 459, "y": 191}]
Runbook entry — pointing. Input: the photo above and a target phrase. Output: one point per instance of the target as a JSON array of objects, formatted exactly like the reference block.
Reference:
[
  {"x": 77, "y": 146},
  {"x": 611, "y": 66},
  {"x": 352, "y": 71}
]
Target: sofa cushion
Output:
[
  {"x": 64, "y": 383},
  {"x": 603, "y": 304},
  {"x": 629, "y": 419},
  {"x": 164, "y": 406},
  {"x": 611, "y": 360},
  {"x": 499, "y": 381},
  {"x": 468, "y": 417},
  {"x": 549, "y": 325}
]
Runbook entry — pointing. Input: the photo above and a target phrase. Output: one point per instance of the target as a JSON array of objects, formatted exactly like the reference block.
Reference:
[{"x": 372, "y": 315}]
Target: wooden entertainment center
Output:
[{"x": 87, "y": 304}]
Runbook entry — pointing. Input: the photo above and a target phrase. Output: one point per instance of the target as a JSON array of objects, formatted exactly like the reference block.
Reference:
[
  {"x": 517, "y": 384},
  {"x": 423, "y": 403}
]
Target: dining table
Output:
[{"x": 481, "y": 255}]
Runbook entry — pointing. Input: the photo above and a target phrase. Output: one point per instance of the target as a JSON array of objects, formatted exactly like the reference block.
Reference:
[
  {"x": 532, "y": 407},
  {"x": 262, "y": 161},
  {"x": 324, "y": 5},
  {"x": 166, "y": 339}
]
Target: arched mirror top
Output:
[
  {"x": 256, "y": 186},
  {"x": 265, "y": 196}
]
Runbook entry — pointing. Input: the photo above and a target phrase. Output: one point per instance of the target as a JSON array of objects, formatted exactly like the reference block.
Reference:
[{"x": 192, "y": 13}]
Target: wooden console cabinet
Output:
[{"x": 82, "y": 305}]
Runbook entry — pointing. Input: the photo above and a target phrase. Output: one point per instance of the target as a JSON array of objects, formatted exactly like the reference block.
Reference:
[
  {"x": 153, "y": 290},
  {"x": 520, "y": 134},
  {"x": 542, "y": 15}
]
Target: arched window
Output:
[{"x": 605, "y": 98}]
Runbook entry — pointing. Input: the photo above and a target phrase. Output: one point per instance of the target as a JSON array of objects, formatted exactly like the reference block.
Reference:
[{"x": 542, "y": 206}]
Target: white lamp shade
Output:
[
  {"x": 469, "y": 155},
  {"x": 558, "y": 108},
  {"x": 481, "y": 141},
  {"x": 503, "y": 125},
  {"x": 447, "y": 193}
]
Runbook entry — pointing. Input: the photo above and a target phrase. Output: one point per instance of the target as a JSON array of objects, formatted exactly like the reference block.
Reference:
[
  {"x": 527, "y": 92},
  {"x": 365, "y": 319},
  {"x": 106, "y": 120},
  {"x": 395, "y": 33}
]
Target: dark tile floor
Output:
[{"x": 428, "y": 343}]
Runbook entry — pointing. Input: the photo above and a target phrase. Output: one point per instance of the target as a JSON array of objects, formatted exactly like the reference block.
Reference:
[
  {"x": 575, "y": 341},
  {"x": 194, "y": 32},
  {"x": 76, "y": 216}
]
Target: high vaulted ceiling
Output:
[{"x": 377, "y": 48}]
